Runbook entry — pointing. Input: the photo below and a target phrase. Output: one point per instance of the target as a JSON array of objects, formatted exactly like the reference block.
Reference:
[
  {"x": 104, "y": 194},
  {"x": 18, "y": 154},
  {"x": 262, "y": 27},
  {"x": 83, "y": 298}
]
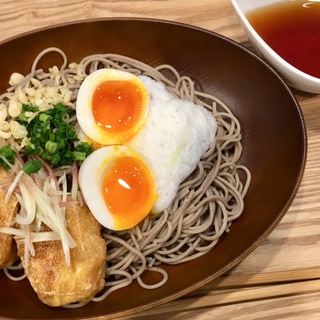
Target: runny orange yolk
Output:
[
  {"x": 118, "y": 107},
  {"x": 128, "y": 191}
]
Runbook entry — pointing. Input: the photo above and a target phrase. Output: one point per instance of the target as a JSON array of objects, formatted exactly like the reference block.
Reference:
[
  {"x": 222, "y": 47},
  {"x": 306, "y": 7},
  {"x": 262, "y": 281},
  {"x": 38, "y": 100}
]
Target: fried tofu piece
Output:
[
  {"x": 8, "y": 212},
  {"x": 55, "y": 282}
]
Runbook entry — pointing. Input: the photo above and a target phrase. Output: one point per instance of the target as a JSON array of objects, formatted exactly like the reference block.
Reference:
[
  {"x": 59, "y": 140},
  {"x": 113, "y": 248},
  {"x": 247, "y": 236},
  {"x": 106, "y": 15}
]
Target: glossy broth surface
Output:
[{"x": 292, "y": 29}]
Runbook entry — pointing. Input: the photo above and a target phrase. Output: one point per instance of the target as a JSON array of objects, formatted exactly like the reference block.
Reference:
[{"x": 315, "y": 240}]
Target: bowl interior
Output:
[{"x": 274, "y": 142}]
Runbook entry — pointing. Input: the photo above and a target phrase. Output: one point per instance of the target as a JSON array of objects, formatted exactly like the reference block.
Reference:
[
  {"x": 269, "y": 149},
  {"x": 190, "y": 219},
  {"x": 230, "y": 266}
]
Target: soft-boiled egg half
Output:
[
  {"x": 112, "y": 106},
  {"x": 168, "y": 142},
  {"x": 118, "y": 186}
]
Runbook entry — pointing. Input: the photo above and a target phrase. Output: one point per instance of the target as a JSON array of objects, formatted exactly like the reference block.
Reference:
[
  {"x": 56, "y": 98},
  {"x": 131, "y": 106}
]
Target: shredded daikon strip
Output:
[
  {"x": 27, "y": 240},
  {"x": 44, "y": 236},
  {"x": 13, "y": 186},
  {"x": 13, "y": 231},
  {"x": 49, "y": 187},
  {"x": 75, "y": 185},
  {"x": 34, "y": 236},
  {"x": 28, "y": 206},
  {"x": 63, "y": 182}
]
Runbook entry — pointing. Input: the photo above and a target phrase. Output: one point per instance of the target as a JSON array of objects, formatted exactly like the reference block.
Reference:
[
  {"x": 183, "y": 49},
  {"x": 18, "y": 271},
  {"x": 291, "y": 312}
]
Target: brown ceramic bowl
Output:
[{"x": 274, "y": 140}]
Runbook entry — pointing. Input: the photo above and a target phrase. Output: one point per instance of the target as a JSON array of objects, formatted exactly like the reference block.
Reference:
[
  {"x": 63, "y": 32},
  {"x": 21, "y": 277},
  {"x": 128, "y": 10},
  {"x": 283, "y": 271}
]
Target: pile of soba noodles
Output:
[{"x": 207, "y": 201}]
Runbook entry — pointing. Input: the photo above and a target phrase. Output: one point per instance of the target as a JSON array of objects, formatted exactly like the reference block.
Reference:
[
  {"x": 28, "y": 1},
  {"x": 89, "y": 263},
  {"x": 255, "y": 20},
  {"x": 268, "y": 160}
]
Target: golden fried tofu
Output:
[
  {"x": 8, "y": 212},
  {"x": 55, "y": 282}
]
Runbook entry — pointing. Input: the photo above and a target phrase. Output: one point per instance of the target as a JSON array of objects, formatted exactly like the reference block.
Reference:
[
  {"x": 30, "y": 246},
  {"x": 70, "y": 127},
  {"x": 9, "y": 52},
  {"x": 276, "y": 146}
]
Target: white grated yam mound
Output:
[{"x": 177, "y": 133}]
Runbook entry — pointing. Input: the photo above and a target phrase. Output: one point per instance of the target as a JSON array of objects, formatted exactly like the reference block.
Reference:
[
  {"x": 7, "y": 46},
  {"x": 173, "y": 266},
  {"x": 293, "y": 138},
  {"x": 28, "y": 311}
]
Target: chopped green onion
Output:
[
  {"x": 65, "y": 117},
  {"x": 64, "y": 126},
  {"x": 44, "y": 117},
  {"x": 7, "y": 152},
  {"x": 32, "y": 166},
  {"x": 55, "y": 160},
  {"x": 22, "y": 117},
  {"x": 7, "y": 156},
  {"x": 71, "y": 133},
  {"x": 79, "y": 156},
  {"x": 84, "y": 147},
  {"x": 27, "y": 108},
  {"x": 52, "y": 137},
  {"x": 51, "y": 146}
]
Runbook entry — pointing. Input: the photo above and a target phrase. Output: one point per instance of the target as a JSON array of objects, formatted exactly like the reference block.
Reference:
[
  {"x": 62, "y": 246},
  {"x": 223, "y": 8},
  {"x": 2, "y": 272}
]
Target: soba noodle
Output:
[{"x": 207, "y": 202}]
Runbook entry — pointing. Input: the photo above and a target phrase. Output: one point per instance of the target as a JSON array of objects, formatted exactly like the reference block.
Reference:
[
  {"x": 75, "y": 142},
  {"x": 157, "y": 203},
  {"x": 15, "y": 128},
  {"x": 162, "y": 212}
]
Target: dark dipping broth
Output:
[{"x": 292, "y": 29}]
